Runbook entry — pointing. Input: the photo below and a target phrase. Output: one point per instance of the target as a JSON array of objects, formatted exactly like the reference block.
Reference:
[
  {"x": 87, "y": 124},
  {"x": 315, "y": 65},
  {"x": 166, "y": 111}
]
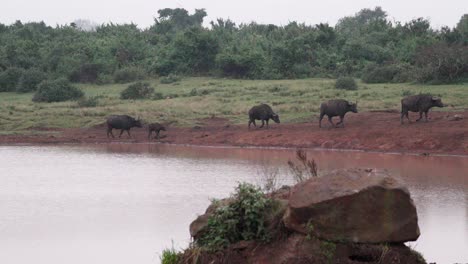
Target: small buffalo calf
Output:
[{"x": 156, "y": 127}]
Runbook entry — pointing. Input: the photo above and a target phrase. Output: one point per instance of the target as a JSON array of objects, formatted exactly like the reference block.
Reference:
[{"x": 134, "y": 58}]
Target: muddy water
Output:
[{"x": 124, "y": 203}]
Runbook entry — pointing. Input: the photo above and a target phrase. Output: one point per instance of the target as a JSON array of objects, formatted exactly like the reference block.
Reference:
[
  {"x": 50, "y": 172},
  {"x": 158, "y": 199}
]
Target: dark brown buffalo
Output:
[
  {"x": 262, "y": 112},
  {"x": 337, "y": 107},
  {"x": 418, "y": 103},
  {"x": 122, "y": 122},
  {"x": 156, "y": 127}
]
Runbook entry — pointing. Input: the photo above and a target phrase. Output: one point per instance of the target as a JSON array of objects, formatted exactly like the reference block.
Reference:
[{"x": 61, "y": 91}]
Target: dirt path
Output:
[{"x": 370, "y": 131}]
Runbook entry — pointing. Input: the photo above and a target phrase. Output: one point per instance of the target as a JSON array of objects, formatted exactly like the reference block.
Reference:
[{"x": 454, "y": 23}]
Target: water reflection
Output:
[{"x": 123, "y": 203}]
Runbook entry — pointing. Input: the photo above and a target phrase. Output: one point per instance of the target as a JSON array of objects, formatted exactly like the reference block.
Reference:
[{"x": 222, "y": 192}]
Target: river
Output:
[{"x": 125, "y": 203}]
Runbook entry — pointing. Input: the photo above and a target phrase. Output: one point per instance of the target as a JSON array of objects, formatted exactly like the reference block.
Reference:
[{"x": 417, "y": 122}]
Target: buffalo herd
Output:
[{"x": 415, "y": 103}]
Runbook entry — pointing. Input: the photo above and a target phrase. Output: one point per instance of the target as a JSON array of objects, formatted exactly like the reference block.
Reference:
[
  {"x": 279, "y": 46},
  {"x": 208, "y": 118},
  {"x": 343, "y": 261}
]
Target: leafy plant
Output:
[
  {"x": 243, "y": 219},
  {"x": 9, "y": 79},
  {"x": 305, "y": 169},
  {"x": 56, "y": 91},
  {"x": 129, "y": 74},
  {"x": 29, "y": 80},
  {"x": 91, "y": 101},
  {"x": 346, "y": 83},
  {"x": 139, "y": 90},
  {"x": 171, "y": 78},
  {"x": 170, "y": 256}
]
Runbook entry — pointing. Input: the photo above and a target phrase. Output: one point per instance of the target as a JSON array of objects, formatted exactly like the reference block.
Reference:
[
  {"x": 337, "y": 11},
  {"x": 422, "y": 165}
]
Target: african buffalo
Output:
[
  {"x": 418, "y": 103},
  {"x": 337, "y": 107},
  {"x": 262, "y": 112},
  {"x": 122, "y": 122}
]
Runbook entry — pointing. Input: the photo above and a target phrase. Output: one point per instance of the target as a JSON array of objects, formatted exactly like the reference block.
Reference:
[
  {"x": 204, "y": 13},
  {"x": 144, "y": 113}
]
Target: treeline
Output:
[{"x": 367, "y": 45}]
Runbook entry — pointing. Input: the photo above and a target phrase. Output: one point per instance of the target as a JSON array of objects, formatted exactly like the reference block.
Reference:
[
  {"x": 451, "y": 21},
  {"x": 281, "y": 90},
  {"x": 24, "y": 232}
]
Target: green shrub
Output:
[
  {"x": 171, "y": 78},
  {"x": 395, "y": 73},
  {"x": 56, "y": 91},
  {"x": 87, "y": 73},
  {"x": 243, "y": 219},
  {"x": 379, "y": 74},
  {"x": 406, "y": 93},
  {"x": 170, "y": 256},
  {"x": 158, "y": 96},
  {"x": 130, "y": 74},
  {"x": 104, "y": 79},
  {"x": 29, "y": 80},
  {"x": 139, "y": 90},
  {"x": 91, "y": 101},
  {"x": 346, "y": 83},
  {"x": 9, "y": 79}
]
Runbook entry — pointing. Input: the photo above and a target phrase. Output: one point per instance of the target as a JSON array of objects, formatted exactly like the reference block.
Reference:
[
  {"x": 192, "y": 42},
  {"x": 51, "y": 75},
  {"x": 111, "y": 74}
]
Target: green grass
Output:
[
  {"x": 170, "y": 256},
  {"x": 196, "y": 98}
]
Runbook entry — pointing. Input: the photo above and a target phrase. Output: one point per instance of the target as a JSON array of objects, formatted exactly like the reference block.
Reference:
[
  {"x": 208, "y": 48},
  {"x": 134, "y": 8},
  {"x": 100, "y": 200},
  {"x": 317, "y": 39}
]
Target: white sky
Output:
[{"x": 279, "y": 12}]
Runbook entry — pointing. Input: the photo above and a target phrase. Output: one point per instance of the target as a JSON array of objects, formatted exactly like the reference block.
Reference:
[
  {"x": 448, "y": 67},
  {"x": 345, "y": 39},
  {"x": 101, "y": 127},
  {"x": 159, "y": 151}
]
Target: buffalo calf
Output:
[{"x": 156, "y": 127}]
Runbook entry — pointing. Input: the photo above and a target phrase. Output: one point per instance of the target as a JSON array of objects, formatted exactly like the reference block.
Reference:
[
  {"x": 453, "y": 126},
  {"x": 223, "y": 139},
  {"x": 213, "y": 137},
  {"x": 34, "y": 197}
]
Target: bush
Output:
[
  {"x": 243, "y": 219},
  {"x": 87, "y": 73},
  {"x": 171, "y": 78},
  {"x": 442, "y": 63},
  {"x": 130, "y": 74},
  {"x": 92, "y": 101},
  {"x": 379, "y": 74},
  {"x": 346, "y": 83},
  {"x": 158, "y": 96},
  {"x": 170, "y": 256},
  {"x": 139, "y": 90},
  {"x": 56, "y": 91},
  {"x": 9, "y": 79},
  {"x": 395, "y": 73},
  {"x": 29, "y": 80}
]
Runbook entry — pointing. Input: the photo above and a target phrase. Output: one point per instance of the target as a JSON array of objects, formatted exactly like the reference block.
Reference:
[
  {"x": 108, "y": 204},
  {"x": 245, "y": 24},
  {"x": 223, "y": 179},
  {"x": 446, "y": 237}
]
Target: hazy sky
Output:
[{"x": 142, "y": 12}]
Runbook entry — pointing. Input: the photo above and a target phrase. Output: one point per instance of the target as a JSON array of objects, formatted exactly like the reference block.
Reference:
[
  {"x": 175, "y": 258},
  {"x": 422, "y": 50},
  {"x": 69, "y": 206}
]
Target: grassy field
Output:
[{"x": 192, "y": 99}]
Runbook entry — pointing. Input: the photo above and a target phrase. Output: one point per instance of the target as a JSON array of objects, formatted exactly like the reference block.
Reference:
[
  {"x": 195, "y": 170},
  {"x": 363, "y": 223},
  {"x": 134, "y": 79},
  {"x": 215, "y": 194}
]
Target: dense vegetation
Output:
[
  {"x": 366, "y": 45},
  {"x": 242, "y": 219}
]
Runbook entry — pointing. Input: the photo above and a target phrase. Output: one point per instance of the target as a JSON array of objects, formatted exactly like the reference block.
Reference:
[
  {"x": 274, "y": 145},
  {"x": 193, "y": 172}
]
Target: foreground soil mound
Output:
[{"x": 347, "y": 216}]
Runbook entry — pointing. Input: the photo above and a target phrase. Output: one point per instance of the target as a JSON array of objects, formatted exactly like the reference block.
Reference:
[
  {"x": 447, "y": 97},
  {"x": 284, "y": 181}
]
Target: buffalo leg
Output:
[
  {"x": 109, "y": 131},
  {"x": 330, "y": 120},
  {"x": 157, "y": 135},
  {"x": 263, "y": 123},
  {"x": 320, "y": 120},
  {"x": 425, "y": 115},
  {"x": 341, "y": 121},
  {"x": 121, "y": 132},
  {"x": 403, "y": 114},
  {"x": 420, "y": 116},
  {"x": 267, "y": 123},
  {"x": 128, "y": 132}
]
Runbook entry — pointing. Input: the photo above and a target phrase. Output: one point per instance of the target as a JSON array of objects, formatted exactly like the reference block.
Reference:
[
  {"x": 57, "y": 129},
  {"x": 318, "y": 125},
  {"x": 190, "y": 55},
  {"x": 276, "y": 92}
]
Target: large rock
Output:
[{"x": 355, "y": 205}]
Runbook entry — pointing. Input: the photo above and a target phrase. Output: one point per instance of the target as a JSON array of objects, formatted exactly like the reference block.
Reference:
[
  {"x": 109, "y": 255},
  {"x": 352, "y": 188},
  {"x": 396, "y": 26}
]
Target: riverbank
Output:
[{"x": 368, "y": 131}]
